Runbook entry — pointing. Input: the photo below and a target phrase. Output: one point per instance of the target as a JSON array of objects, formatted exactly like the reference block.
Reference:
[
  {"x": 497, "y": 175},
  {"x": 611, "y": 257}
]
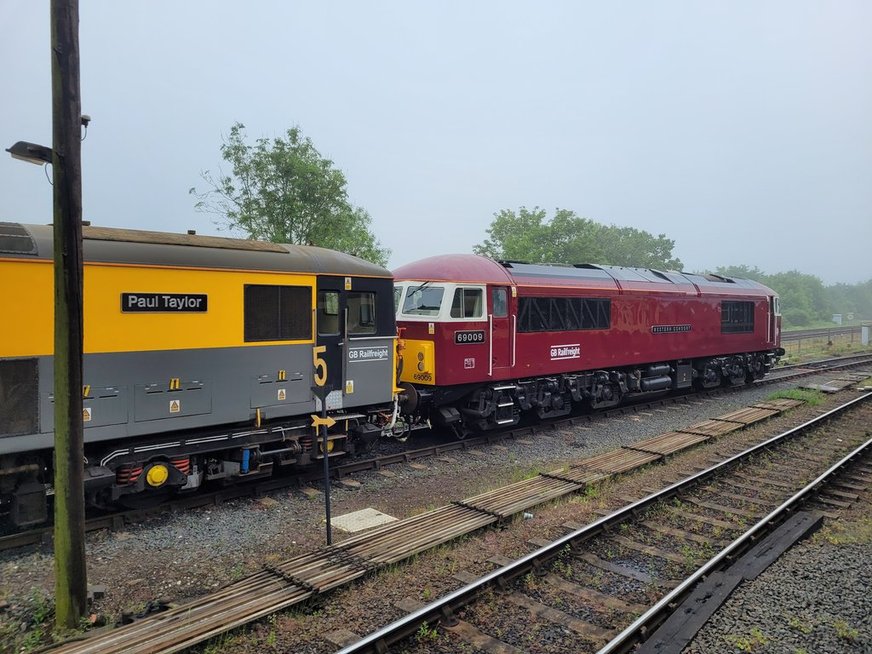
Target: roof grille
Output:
[{"x": 14, "y": 239}]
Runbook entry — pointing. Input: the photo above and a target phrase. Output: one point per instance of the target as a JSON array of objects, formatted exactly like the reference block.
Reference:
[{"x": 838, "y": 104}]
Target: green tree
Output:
[
  {"x": 528, "y": 235},
  {"x": 283, "y": 190}
]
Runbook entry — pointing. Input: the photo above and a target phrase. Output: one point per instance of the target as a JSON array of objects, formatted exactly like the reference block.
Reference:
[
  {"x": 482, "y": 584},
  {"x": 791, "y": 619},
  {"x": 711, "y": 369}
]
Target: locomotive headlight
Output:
[
  {"x": 421, "y": 366},
  {"x": 157, "y": 475}
]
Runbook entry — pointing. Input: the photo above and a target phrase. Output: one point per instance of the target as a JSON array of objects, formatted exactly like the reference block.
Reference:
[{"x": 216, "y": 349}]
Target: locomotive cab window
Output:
[
  {"x": 737, "y": 317},
  {"x": 467, "y": 303},
  {"x": 277, "y": 313},
  {"x": 423, "y": 300},
  {"x": 328, "y": 312},
  {"x": 361, "y": 313},
  {"x": 398, "y": 294}
]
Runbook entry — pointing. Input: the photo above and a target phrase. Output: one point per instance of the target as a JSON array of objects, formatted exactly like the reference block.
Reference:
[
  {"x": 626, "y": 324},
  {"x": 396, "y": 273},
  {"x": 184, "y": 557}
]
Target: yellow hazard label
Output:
[
  {"x": 349, "y": 386},
  {"x": 175, "y": 406},
  {"x": 431, "y": 328},
  {"x": 348, "y": 283},
  {"x": 86, "y": 414},
  {"x": 282, "y": 394},
  {"x": 317, "y": 421}
]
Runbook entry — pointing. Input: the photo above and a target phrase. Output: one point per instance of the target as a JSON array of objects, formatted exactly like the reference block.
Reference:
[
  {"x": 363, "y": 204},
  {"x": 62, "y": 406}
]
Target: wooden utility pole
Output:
[{"x": 69, "y": 528}]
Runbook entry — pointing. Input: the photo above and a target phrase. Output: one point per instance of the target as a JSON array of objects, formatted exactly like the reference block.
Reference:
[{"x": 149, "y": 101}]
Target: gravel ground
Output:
[
  {"x": 815, "y": 599},
  {"x": 182, "y": 556}
]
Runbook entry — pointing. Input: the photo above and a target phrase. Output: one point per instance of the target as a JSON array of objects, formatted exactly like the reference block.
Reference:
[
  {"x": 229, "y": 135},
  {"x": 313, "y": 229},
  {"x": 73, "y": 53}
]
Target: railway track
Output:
[
  {"x": 119, "y": 519},
  {"x": 606, "y": 586},
  {"x": 317, "y": 572},
  {"x": 823, "y": 332}
]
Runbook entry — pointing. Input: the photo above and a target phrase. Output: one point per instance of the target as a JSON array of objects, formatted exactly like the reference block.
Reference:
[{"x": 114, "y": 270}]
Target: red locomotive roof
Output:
[
  {"x": 464, "y": 268},
  {"x": 472, "y": 268}
]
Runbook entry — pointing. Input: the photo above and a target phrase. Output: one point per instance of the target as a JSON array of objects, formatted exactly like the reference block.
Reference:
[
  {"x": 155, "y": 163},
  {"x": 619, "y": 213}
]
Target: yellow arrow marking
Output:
[{"x": 317, "y": 421}]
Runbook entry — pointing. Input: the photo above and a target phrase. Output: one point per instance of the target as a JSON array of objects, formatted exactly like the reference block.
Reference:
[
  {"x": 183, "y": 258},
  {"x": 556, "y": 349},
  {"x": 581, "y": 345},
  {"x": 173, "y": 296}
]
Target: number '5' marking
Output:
[{"x": 320, "y": 364}]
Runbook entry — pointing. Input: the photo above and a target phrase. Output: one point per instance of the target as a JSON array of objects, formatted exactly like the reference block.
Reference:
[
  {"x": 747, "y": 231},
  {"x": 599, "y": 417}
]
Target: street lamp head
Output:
[{"x": 30, "y": 152}]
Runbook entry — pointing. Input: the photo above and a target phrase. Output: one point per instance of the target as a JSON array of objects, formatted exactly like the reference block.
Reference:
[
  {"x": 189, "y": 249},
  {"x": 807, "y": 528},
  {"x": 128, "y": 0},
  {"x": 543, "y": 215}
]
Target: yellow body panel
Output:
[
  {"x": 419, "y": 362},
  {"x": 27, "y": 321}
]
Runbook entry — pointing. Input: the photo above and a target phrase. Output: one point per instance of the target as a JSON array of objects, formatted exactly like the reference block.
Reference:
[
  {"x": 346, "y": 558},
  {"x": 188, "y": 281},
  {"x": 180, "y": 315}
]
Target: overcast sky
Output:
[{"x": 742, "y": 130}]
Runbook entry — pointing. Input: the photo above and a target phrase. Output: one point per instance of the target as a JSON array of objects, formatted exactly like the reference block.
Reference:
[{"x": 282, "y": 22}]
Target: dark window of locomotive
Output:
[
  {"x": 278, "y": 313},
  {"x": 737, "y": 317},
  {"x": 500, "y": 301},
  {"x": 361, "y": 312},
  {"x": 543, "y": 314},
  {"x": 328, "y": 312}
]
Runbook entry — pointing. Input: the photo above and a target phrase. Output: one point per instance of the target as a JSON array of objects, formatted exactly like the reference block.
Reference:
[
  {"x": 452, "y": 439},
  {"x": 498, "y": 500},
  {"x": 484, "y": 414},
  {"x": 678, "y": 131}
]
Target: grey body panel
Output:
[{"x": 130, "y": 392}]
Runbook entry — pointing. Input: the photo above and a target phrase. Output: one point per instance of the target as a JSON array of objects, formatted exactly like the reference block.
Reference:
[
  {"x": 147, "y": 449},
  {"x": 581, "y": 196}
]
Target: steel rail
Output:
[
  {"x": 631, "y": 635},
  {"x": 379, "y": 640},
  {"x": 821, "y": 332}
]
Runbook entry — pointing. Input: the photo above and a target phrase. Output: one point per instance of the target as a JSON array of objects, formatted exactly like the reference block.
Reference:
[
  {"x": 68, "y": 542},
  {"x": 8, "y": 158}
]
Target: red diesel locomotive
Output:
[{"x": 485, "y": 341}]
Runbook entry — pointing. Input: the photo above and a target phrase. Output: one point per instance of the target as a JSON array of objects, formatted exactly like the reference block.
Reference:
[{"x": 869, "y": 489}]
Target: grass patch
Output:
[
  {"x": 753, "y": 642},
  {"x": 807, "y": 395},
  {"x": 848, "y": 533}
]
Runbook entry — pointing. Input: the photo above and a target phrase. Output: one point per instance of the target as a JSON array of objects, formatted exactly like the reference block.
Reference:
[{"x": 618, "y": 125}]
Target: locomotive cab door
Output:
[
  {"x": 330, "y": 325},
  {"x": 500, "y": 330}
]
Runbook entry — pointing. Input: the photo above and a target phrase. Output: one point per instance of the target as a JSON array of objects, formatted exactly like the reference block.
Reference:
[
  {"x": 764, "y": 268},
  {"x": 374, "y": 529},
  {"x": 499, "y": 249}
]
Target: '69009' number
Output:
[{"x": 469, "y": 337}]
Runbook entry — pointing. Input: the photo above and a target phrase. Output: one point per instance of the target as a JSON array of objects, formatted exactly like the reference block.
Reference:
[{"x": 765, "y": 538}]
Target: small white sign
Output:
[
  {"x": 175, "y": 406},
  {"x": 469, "y": 363},
  {"x": 571, "y": 351},
  {"x": 281, "y": 395},
  {"x": 86, "y": 414},
  {"x": 373, "y": 353}
]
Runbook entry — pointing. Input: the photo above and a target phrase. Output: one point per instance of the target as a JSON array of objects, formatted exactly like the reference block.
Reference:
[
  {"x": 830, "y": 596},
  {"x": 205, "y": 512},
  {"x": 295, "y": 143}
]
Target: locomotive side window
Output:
[
  {"x": 398, "y": 293},
  {"x": 543, "y": 314},
  {"x": 737, "y": 317},
  {"x": 328, "y": 312},
  {"x": 500, "y": 301},
  {"x": 277, "y": 313},
  {"x": 423, "y": 300},
  {"x": 467, "y": 303},
  {"x": 361, "y": 313}
]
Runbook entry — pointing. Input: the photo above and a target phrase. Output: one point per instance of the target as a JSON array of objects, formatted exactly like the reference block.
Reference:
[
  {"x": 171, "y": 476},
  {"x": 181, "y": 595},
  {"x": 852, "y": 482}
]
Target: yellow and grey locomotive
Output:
[{"x": 200, "y": 357}]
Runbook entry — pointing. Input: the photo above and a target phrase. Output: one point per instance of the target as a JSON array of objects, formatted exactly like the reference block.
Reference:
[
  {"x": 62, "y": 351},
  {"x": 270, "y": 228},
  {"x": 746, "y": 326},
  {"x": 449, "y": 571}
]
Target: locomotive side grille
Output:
[
  {"x": 14, "y": 239},
  {"x": 19, "y": 393}
]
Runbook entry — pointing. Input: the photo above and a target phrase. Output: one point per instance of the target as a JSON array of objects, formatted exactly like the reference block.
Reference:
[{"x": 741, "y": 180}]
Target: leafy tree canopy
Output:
[
  {"x": 283, "y": 190},
  {"x": 529, "y": 235}
]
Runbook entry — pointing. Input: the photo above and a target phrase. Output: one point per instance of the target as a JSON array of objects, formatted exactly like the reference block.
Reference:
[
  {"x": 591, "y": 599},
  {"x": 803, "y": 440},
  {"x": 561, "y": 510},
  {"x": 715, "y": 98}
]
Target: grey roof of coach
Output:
[{"x": 136, "y": 247}]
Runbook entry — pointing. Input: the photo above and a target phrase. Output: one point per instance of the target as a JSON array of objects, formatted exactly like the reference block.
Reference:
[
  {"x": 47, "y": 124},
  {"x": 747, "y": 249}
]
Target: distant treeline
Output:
[
  {"x": 565, "y": 237},
  {"x": 805, "y": 300}
]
